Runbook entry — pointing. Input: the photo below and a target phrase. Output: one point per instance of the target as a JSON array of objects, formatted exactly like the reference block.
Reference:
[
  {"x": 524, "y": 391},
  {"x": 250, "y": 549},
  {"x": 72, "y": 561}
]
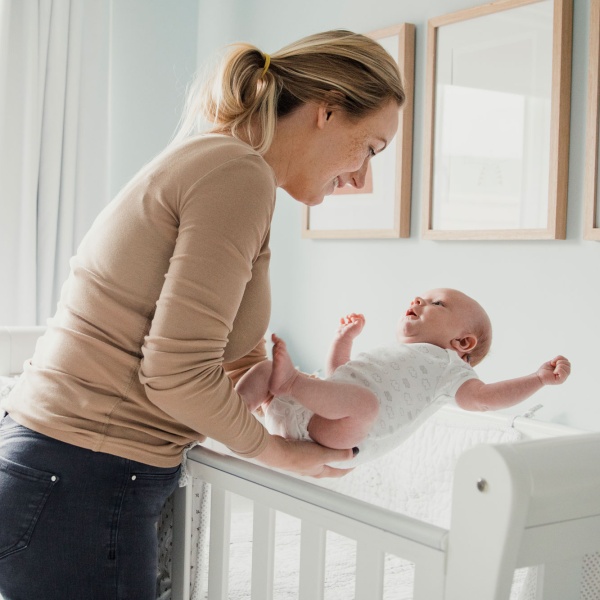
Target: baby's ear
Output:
[{"x": 464, "y": 344}]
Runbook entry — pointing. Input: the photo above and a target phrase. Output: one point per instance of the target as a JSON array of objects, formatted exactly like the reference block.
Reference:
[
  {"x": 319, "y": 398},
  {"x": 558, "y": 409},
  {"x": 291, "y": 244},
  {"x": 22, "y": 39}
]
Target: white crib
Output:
[{"x": 534, "y": 502}]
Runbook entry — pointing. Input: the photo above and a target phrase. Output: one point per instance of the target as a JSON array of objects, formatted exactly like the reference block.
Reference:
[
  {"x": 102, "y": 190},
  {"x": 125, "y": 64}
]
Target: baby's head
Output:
[{"x": 449, "y": 319}]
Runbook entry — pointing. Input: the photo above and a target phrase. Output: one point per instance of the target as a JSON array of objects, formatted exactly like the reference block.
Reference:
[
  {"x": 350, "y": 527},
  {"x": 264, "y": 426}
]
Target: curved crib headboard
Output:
[{"x": 16, "y": 346}]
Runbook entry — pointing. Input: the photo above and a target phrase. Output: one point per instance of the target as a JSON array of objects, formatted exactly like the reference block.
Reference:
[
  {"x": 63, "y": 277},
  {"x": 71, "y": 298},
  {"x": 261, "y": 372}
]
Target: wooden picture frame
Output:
[
  {"x": 497, "y": 167},
  {"x": 592, "y": 202},
  {"x": 383, "y": 209}
]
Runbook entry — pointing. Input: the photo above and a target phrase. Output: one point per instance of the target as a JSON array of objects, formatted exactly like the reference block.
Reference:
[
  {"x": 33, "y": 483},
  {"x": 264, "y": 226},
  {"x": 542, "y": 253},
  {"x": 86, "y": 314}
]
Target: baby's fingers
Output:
[
  {"x": 562, "y": 368},
  {"x": 351, "y": 317}
]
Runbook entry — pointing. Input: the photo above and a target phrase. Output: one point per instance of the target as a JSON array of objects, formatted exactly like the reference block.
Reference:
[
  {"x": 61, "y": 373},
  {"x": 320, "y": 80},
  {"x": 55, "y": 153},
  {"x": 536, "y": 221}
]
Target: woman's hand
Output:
[{"x": 303, "y": 458}]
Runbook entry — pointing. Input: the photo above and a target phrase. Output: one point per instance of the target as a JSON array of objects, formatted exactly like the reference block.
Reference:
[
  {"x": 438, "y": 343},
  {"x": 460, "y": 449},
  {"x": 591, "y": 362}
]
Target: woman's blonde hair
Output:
[{"x": 251, "y": 90}]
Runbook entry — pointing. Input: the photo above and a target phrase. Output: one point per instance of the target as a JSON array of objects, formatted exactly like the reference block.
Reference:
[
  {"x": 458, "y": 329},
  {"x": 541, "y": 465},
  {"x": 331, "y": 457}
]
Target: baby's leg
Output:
[
  {"x": 253, "y": 386},
  {"x": 344, "y": 412}
]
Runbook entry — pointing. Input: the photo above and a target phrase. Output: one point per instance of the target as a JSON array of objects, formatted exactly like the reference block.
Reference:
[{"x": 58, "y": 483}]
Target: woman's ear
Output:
[
  {"x": 323, "y": 114},
  {"x": 331, "y": 102},
  {"x": 465, "y": 344}
]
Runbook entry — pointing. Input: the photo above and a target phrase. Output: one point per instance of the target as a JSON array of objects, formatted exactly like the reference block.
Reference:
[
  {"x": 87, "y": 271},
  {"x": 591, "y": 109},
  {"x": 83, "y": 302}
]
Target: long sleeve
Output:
[
  {"x": 237, "y": 368},
  {"x": 224, "y": 222}
]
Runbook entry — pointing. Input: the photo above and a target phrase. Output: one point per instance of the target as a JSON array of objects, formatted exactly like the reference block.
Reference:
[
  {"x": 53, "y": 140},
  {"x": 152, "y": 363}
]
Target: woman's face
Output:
[{"x": 337, "y": 151}]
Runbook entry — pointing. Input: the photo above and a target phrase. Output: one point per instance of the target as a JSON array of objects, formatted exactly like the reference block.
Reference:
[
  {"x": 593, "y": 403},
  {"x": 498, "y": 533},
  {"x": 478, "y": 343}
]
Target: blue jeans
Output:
[{"x": 76, "y": 524}]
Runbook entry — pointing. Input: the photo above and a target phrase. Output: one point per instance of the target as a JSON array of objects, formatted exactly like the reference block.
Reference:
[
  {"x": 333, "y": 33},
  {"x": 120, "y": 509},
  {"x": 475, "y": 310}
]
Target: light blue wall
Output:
[
  {"x": 543, "y": 296},
  {"x": 153, "y": 58}
]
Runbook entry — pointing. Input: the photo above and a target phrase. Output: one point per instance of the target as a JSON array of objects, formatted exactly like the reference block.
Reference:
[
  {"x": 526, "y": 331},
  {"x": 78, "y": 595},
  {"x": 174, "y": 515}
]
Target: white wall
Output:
[{"x": 543, "y": 296}]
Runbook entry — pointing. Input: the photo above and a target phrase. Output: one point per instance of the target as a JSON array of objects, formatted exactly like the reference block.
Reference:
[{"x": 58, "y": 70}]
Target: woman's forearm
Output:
[{"x": 303, "y": 458}]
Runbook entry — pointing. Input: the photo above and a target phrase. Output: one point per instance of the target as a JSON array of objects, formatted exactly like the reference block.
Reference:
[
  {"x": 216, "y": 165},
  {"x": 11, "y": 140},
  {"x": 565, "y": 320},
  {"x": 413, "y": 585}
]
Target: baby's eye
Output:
[{"x": 438, "y": 303}]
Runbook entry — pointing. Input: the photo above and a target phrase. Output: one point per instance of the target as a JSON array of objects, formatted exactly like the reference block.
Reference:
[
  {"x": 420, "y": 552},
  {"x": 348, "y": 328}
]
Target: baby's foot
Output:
[{"x": 283, "y": 373}]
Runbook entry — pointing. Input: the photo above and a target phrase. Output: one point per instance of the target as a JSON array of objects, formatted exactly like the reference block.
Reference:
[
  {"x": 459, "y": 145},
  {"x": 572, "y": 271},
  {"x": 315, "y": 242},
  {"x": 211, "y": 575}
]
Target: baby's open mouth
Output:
[{"x": 410, "y": 313}]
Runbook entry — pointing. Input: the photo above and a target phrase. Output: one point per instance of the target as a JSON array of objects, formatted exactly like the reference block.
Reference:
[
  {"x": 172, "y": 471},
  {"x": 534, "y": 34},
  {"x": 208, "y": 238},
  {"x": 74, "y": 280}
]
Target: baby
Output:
[{"x": 373, "y": 402}]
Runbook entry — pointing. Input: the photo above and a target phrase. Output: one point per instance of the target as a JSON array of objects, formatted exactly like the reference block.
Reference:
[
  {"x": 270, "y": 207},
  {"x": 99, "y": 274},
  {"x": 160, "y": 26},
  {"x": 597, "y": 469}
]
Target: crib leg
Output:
[
  {"x": 181, "y": 554},
  {"x": 559, "y": 580},
  {"x": 488, "y": 519},
  {"x": 369, "y": 573}
]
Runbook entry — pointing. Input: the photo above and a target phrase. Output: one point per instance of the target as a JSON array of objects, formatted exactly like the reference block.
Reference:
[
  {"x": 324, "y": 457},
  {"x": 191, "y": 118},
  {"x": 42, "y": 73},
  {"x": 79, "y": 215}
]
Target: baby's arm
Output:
[
  {"x": 476, "y": 395},
  {"x": 341, "y": 347}
]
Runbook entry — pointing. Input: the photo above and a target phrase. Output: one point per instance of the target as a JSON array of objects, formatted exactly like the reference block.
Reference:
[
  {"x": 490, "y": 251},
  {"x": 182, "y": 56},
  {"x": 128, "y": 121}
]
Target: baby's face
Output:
[{"x": 437, "y": 317}]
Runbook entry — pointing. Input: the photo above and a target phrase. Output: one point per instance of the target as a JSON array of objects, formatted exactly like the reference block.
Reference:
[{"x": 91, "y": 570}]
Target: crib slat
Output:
[
  {"x": 369, "y": 572},
  {"x": 263, "y": 552},
  {"x": 312, "y": 562},
  {"x": 429, "y": 578},
  {"x": 182, "y": 545},
  {"x": 220, "y": 530}
]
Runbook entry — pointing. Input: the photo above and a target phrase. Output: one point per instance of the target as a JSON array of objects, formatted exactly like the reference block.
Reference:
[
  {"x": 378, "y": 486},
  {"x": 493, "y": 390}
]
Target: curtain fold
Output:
[{"x": 54, "y": 84}]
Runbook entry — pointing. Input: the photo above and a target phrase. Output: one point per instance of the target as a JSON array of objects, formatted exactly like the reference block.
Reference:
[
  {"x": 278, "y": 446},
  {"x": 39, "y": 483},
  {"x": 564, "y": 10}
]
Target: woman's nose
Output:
[{"x": 359, "y": 177}]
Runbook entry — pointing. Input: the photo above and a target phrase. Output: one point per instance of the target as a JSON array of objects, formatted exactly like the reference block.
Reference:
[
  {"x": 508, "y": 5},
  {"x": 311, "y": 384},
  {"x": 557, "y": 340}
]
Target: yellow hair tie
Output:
[{"x": 267, "y": 63}]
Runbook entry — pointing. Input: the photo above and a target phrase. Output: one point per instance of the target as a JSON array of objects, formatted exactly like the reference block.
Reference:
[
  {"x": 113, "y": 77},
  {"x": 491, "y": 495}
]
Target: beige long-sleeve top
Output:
[{"x": 168, "y": 291}]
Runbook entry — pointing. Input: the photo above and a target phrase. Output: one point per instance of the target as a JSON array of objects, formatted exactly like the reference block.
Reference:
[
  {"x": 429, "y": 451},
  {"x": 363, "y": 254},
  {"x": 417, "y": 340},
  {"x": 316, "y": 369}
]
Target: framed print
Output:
[
  {"x": 382, "y": 208},
  {"x": 497, "y": 121},
  {"x": 592, "y": 202}
]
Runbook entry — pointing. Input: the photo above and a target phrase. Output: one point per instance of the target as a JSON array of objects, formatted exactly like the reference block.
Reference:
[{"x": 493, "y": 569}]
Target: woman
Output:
[{"x": 166, "y": 307}]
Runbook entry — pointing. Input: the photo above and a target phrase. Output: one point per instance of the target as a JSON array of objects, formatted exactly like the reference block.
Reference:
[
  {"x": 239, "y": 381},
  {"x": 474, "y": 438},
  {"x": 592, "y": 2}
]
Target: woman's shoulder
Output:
[
  {"x": 216, "y": 148},
  {"x": 199, "y": 156}
]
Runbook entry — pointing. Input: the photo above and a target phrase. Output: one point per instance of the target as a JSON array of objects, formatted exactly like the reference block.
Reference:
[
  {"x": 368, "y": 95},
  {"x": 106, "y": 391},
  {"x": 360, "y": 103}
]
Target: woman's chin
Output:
[
  {"x": 309, "y": 198},
  {"x": 313, "y": 200}
]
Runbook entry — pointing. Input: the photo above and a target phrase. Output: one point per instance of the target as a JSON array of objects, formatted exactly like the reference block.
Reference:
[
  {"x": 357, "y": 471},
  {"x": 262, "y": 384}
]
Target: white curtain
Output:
[{"x": 54, "y": 123}]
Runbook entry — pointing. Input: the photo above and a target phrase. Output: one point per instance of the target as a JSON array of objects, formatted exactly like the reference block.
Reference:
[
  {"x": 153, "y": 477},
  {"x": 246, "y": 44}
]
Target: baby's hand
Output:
[
  {"x": 555, "y": 371},
  {"x": 350, "y": 326}
]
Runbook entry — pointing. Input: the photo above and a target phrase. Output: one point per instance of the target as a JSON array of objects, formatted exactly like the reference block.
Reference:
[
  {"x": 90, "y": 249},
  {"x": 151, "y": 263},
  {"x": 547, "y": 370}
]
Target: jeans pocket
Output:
[
  {"x": 153, "y": 487},
  {"x": 158, "y": 477},
  {"x": 23, "y": 494}
]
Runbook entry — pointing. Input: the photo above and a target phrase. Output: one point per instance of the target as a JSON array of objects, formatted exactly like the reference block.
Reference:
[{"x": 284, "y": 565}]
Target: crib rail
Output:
[{"x": 375, "y": 530}]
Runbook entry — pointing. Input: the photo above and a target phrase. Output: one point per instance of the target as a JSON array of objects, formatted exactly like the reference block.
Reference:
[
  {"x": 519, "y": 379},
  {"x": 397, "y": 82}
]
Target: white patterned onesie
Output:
[{"x": 411, "y": 382}]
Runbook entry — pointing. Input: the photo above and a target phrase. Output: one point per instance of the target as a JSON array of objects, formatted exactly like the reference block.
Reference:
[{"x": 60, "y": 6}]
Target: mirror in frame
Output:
[
  {"x": 382, "y": 208},
  {"x": 497, "y": 121},
  {"x": 592, "y": 200}
]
